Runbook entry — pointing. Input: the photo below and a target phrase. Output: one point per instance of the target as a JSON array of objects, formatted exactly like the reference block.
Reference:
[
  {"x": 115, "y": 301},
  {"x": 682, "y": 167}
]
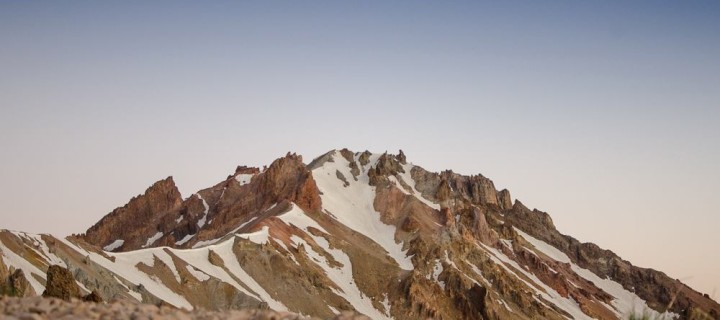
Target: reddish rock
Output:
[{"x": 134, "y": 221}]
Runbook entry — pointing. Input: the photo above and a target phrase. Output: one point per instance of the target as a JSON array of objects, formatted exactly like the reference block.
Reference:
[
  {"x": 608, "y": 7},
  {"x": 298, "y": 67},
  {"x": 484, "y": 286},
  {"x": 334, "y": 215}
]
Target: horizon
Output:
[{"x": 604, "y": 115}]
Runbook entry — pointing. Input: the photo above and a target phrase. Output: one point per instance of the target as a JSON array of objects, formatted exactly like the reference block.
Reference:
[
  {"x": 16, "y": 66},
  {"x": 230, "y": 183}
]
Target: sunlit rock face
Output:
[{"x": 361, "y": 231}]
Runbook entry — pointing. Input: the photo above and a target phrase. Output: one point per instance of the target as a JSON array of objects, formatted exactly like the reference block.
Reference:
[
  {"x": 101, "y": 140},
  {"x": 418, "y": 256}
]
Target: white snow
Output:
[
  {"x": 244, "y": 224},
  {"x": 297, "y": 217},
  {"x": 335, "y": 311},
  {"x": 114, "y": 245},
  {"x": 507, "y": 243},
  {"x": 341, "y": 276},
  {"x": 260, "y": 237},
  {"x": 437, "y": 270},
  {"x": 232, "y": 264},
  {"x": 204, "y": 243},
  {"x": 386, "y": 304},
  {"x": 152, "y": 239},
  {"x": 201, "y": 276},
  {"x": 545, "y": 248},
  {"x": 548, "y": 293},
  {"x": 125, "y": 267},
  {"x": 185, "y": 239},
  {"x": 353, "y": 205},
  {"x": 11, "y": 259},
  {"x": 39, "y": 246},
  {"x": 180, "y": 218},
  {"x": 243, "y": 179},
  {"x": 202, "y": 220},
  {"x": 198, "y": 258},
  {"x": 132, "y": 293},
  {"x": 168, "y": 261},
  {"x": 625, "y": 302}
]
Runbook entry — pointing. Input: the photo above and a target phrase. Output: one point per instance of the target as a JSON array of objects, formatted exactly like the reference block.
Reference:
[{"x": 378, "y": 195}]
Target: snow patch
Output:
[
  {"x": 260, "y": 237},
  {"x": 625, "y": 302},
  {"x": 114, "y": 245},
  {"x": 152, "y": 239},
  {"x": 202, "y": 220},
  {"x": 353, "y": 205},
  {"x": 244, "y": 224},
  {"x": 199, "y": 275},
  {"x": 341, "y": 276},
  {"x": 232, "y": 264},
  {"x": 299, "y": 219},
  {"x": 12, "y": 259},
  {"x": 540, "y": 288},
  {"x": 243, "y": 179},
  {"x": 185, "y": 239}
]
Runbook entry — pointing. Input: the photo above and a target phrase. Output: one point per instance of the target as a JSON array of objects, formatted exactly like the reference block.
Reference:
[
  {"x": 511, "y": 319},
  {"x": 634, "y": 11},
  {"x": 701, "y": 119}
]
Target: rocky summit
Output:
[{"x": 349, "y": 231}]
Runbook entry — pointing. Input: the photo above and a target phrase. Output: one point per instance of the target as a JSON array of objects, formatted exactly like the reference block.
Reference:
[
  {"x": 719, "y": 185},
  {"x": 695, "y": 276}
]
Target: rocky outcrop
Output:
[
  {"x": 441, "y": 246},
  {"x": 61, "y": 284},
  {"x": 660, "y": 291},
  {"x": 14, "y": 284},
  {"x": 134, "y": 221},
  {"x": 505, "y": 199},
  {"x": 93, "y": 296}
]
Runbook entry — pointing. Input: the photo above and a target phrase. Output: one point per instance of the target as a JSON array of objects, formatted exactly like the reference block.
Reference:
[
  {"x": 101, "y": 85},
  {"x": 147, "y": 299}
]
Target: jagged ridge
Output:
[{"x": 350, "y": 231}]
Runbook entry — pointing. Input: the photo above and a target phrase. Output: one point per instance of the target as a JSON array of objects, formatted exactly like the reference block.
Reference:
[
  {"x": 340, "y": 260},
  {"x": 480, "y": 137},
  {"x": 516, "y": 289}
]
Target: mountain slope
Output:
[{"x": 351, "y": 231}]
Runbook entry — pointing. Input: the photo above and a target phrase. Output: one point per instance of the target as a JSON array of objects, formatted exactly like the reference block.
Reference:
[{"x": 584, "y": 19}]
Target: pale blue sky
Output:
[{"x": 605, "y": 114}]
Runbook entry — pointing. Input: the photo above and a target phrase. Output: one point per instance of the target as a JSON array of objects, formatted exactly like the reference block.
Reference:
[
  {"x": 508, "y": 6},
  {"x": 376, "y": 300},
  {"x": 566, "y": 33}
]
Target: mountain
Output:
[{"x": 348, "y": 231}]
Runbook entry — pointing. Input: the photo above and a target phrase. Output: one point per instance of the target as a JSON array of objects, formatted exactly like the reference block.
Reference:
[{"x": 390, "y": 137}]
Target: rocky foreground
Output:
[{"x": 38, "y": 308}]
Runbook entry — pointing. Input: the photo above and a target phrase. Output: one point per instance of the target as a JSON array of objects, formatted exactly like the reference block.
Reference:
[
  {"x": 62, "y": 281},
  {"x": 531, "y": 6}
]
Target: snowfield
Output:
[{"x": 353, "y": 205}]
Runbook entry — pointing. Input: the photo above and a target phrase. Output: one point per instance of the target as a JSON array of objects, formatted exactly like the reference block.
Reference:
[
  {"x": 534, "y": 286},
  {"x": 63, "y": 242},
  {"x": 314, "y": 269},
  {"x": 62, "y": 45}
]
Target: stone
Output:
[
  {"x": 93, "y": 296},
  {"x": 61, "y": 284},
  {"x": 137, "y": 220},
  {"x": 505, "y": 200}
]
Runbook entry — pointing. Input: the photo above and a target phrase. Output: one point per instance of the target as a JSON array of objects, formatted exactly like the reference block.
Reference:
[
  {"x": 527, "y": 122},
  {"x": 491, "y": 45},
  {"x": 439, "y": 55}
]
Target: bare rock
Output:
[
  {"x": 401, "y": 157},
  {"x": 505, "y": 200},
  {"x": 364, "y": 158},
  {"x": 61, "y": 284},
  {"x": 93, "y": 296},
  {"x": 136, "y": 221},
  {"x": 349, "y": 156},
  {"x": 16, "y": 284},
  {"x": 246, "y": 170}
]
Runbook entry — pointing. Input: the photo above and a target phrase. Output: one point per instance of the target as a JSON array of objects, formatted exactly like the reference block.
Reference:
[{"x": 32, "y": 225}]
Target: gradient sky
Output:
[{"x": 604, "y": 114}]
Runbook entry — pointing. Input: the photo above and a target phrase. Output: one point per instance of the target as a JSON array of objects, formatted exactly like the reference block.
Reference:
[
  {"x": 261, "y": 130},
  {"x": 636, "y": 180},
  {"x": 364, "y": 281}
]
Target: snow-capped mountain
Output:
[{"x": 348, "y": 231}]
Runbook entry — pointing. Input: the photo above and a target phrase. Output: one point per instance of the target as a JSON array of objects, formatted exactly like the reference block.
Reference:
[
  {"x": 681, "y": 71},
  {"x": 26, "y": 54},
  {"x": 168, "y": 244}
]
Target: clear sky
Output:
[{"x": 604, "y": 114}]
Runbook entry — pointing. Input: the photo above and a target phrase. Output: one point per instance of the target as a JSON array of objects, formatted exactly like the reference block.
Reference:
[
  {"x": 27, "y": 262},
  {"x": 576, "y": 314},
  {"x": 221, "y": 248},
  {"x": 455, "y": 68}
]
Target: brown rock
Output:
[
  {"x": 137, "y": 220},
  {"x": 17, "y": 285},
  {"x": 246, "y": 170},
  {"x": 505, "y": 200},
  {"x": 61, "y": 284},
  {"x": 93, "y": 296},
  {"x": 364, "y": 158},
  {"x": 401, "y": 157}
]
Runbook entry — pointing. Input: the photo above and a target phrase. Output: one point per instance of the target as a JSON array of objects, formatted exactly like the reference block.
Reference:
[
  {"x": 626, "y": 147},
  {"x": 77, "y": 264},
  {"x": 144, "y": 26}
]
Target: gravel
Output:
[{"x": 39, "y": 308}]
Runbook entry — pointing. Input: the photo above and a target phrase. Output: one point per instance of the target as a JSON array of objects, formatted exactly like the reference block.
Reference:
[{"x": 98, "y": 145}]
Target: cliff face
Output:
[
  {"x": 137, "y": 218},
  {"x": 160, "y": 217},
  {"x": 356, "y": 231}
]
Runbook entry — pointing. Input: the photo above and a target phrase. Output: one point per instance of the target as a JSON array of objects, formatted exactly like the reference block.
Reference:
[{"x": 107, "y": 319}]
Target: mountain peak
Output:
[
  {"x": 136, "y": 216},
  {"x": 359, "y": 231}
]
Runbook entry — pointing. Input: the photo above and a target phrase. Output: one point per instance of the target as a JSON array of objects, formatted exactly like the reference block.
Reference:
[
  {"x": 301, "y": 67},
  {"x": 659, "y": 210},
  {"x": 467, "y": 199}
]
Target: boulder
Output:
[{"x": 61, "y": 284}]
